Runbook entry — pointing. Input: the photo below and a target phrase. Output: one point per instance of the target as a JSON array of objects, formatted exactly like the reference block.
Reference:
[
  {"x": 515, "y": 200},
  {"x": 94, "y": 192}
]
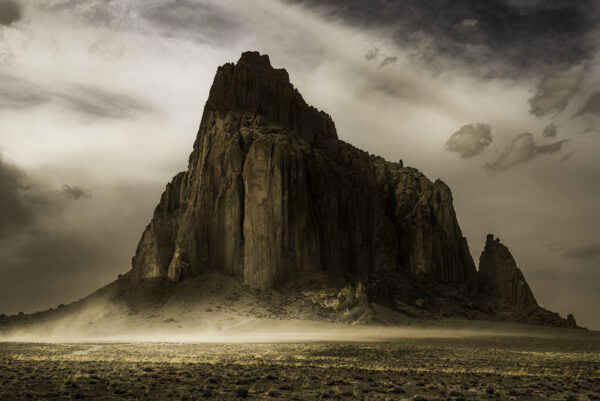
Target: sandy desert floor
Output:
[{"x": 470, "y": 368}]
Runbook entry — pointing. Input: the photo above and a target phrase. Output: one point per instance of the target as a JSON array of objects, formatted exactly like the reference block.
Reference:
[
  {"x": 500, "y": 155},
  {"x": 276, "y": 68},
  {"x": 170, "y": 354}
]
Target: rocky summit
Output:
[
  {"x": 271, "y": 194},
  {"x": 272, "y": 197}
]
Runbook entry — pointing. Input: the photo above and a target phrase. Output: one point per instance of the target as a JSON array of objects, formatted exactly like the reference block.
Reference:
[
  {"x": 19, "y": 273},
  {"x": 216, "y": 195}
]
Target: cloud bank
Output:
[{"x": 494, "y": 38}]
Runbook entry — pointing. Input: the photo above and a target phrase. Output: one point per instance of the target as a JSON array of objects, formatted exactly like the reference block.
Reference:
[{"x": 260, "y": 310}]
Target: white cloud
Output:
[{"x": 470, "y": 140}]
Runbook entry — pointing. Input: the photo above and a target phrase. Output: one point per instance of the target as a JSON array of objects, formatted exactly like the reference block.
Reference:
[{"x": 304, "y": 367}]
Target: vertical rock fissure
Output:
[
  {"x": 242, "y": 189},
  {"x": 245, "y": 148}
]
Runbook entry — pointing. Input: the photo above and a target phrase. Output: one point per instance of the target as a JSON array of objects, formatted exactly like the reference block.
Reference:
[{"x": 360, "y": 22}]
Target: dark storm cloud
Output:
[
  {"x": 550, "y": 131},
  {"x": 521, "y": 36},
  {"x": 24, "y": 202},
  {"x": 522, "y": 149},
  {"x": 74, "y": 192},
  {"x": 555, "y": 90},
  {"x": 10, "y": 12},
  {"x": 591, "y": 106},
  {"x": 59, "y": 251},
  {"x": 470, "y": 140},
  {"x": 586, "y": 252},
  {"x": 55, "y": 266},
  {"x": 15, "y": 213},
  {"x": 61, "y": 258}
]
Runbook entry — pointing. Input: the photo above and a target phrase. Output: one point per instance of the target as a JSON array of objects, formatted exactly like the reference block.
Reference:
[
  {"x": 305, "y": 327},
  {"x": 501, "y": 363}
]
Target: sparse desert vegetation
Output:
[{"x": 470, "y": 368}]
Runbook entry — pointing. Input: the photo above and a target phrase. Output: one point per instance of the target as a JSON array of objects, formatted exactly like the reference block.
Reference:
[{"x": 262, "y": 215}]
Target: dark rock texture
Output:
[
  {"x": 500, "y": 277},
  {"x": 272, "y": 197},
  {"x": 271, "y": 194},
  {"x": 505, "y": 292},
  {"x": 572, "y": 323}
]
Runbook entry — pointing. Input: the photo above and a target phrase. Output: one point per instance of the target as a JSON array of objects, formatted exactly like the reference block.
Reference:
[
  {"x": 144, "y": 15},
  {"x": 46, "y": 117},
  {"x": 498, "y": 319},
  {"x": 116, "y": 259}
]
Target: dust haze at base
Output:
[{"x": 272, "y": 195}]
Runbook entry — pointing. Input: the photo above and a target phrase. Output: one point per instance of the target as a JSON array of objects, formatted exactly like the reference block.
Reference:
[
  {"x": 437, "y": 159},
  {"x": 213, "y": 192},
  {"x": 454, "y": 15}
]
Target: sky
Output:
[{"x": 100, "y": 102}]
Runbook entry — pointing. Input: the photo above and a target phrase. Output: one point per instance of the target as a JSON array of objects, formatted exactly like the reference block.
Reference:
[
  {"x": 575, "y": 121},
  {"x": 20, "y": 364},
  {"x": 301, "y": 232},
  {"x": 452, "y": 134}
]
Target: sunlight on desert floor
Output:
[{"x": 485, "y": 367}]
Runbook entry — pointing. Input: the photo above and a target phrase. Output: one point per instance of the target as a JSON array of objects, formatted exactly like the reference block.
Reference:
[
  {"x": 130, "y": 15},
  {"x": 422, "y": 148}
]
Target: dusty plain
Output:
[{"x": 470, "y": 367}]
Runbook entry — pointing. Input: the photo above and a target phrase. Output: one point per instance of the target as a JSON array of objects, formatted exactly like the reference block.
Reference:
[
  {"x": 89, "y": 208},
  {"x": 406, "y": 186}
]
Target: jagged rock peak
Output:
[
  {"x": 572, "y": 323},
  {"x": 254, "y": 86},
  {"x": 271, "y": 196},
  {"x": 500, "y": 277}
]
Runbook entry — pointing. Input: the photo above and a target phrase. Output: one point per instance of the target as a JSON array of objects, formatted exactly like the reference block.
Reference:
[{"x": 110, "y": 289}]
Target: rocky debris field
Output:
[{"x": 470, "y": 368}]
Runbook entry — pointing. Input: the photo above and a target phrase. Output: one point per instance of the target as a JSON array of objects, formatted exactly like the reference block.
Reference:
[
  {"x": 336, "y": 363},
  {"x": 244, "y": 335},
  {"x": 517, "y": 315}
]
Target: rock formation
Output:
[
  {"x": 277, "y": 218},
  {"x": 500, "y": 277},
  {"x": 271, "y": 196}
]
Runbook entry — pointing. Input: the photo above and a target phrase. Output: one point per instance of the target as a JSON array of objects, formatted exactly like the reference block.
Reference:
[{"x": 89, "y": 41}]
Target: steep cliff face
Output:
[
  {"x": 430, "y": 241},
  {"x": 271, "y": 195},
  {"x": 500, "y": 277}
]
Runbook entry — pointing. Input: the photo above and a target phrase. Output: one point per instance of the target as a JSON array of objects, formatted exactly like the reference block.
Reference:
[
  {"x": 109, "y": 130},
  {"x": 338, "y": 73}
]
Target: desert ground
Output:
[{"x": 454, "y": 367}]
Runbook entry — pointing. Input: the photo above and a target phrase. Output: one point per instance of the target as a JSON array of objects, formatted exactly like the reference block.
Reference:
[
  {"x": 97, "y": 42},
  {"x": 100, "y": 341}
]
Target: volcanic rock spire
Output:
[
  {"x": 271, "y": 195},
  {"x": 500, "y": 276}
]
